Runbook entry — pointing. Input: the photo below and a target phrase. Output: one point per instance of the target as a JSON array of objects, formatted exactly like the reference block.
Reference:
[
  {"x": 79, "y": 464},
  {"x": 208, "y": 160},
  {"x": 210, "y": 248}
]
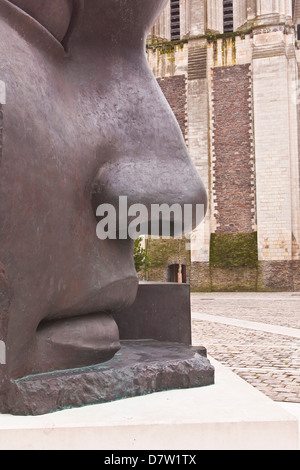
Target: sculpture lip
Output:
[
  {"x": 73, "y": 342},
  {"x": 82, "y": 330},
  {"x": 81, "y": 336},
  {"x": 110, "y": 298}
]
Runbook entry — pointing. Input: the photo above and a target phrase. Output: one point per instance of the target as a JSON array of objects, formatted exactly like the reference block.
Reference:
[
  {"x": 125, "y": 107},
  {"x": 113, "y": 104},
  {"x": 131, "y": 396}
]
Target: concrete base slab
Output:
[
  {"x": 229, "y": 415},
  {"x": 294, "y": 409}
]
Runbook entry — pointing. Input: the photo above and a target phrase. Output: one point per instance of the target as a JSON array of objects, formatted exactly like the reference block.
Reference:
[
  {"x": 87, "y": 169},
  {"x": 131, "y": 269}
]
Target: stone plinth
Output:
[{"x": 140, "y": 368}]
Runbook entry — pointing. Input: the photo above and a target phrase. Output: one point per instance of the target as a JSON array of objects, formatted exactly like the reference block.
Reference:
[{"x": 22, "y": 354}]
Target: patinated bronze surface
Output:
[
  {"x": 140, "y": 368},
  {"x": 84, "y": 122}
]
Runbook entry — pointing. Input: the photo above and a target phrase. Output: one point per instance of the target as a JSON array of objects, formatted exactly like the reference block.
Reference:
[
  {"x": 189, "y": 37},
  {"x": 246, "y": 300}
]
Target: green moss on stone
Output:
[
  {"x": 162, "y": 251},
  {"x": 233, "y": 250},
  {"x": 234, "y": 50}
]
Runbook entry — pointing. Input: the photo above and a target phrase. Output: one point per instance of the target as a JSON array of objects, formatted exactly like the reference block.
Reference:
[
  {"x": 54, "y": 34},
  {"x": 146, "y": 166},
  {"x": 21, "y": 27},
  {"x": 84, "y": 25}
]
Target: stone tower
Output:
[{"x": 229, "y": 70}]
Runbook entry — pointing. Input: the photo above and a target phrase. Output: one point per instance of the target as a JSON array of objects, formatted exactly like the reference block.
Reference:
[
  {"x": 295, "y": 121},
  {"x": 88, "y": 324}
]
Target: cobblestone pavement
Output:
[{"x": 268, "y": 361}]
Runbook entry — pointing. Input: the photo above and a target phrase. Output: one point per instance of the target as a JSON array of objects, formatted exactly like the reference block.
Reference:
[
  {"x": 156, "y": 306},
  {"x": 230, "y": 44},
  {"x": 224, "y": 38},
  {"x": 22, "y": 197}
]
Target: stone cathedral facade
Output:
[{"x": 230, "y": 72}]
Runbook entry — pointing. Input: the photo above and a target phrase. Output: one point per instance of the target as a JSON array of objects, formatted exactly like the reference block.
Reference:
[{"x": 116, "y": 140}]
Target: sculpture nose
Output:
[
  {"x": 150, "y": 166},
  {"x": 151, "y": 194}
]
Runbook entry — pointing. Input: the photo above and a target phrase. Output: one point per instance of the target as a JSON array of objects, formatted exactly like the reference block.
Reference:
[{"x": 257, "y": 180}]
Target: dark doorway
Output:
[{"x": 173, "y": 273}]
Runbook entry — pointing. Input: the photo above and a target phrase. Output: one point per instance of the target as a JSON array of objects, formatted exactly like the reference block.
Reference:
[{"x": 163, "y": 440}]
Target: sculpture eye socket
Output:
[{"x": 54, "y": 15}]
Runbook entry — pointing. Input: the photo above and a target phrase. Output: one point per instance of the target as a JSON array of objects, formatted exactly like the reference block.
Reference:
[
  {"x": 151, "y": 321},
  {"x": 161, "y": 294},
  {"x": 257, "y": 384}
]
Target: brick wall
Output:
[
  {"x": 232, "y": 149},
  {"x": 174, "y": 89},
  {"x": 276, "y": 276}
]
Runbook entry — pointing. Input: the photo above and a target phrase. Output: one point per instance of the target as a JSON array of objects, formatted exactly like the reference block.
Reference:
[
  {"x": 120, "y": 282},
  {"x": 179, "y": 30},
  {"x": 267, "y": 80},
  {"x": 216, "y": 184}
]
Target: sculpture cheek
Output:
[{"x": 54, "y": 16}]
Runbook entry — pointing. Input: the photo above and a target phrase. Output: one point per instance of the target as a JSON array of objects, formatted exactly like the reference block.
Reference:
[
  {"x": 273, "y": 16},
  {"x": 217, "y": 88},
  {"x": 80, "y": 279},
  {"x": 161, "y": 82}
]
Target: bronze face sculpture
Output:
[{"x": 84, "y": 121}]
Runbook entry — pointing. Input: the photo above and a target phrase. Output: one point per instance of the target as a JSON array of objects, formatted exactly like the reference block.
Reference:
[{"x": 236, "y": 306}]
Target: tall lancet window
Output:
[
  {"x": 175, "y": 20},
  {"x": 228, "y": 16}
]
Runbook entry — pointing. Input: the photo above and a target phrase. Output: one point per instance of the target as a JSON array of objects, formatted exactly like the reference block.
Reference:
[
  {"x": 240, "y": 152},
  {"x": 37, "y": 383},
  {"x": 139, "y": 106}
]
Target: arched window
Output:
[
  {"x": 175, "y": 19},
  {"x": 228, "y": 16}
]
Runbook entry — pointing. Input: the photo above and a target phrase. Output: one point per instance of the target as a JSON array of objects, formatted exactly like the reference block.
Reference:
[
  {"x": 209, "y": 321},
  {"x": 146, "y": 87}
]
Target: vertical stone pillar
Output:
[
  {"x": 294, "y": 142},
  {"x": 197, "y": 17},
  {"x": 239, "y": 14},
  {"x": 162, "y": 28},
  {"x": 288, "y": 7},
  {"x": 251, "y": 9},
  {"x": 198, "y": 132},
  {"x": 185, "y": 18},
  {"x": 215, "y": 15},
  {"x": 271, "y": 95}
]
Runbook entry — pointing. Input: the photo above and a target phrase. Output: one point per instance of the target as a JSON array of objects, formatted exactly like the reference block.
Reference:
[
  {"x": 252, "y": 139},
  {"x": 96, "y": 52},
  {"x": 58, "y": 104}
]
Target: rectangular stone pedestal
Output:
[{"x": 161, "y": 311}]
